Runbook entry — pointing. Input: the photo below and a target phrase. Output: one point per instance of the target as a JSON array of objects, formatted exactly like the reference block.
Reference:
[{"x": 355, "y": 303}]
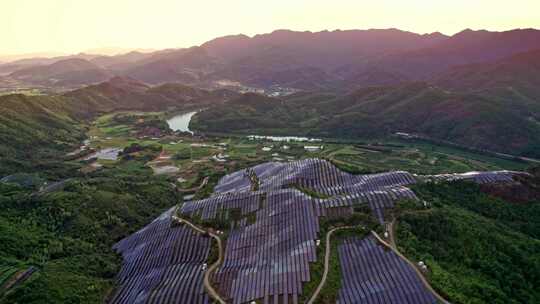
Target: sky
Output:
[{"x": 72, "y": 26}]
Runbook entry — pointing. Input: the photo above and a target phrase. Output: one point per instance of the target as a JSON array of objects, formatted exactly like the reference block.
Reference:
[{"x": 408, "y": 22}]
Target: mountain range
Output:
[{"x": 337, "y": 60}]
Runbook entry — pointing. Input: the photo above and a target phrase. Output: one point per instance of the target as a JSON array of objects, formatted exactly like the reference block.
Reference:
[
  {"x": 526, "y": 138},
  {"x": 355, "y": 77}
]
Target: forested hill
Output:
[
  {"x": 37, "y": 131},
  {"x": 34, "y": 130},
  {"x": 496, "y": 119},
  {"x": 63, "y": 237}
]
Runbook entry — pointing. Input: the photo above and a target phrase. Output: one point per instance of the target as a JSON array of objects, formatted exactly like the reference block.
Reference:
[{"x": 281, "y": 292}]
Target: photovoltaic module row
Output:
[
  {"x": 162, "y": 264},
  {"x": 267, "y": 257},
  {"x": 372, "y": 274},
  {"x": 270, "y": 258}
]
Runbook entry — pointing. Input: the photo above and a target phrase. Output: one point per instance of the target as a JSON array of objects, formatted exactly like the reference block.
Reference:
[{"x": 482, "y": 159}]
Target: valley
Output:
[
  {"x": 344, "y": 166},
  {"x": 149, "y": 156}
]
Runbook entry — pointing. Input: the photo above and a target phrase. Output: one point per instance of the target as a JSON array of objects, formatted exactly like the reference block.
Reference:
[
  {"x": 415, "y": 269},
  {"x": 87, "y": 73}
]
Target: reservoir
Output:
[{"x": 180, "y": 122}]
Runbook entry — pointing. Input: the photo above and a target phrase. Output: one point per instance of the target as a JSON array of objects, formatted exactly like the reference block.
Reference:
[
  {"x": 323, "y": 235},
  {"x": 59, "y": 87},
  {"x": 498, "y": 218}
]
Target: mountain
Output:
[
  {"x": 520, "y": 71},
  {"x": 117, "y": 51},
  {"x": 313, "y": 61},
  {"x": 351, "y": 59},
  {"x": 188, "y": 66},
  {"x": 324, "y": 49},
  {"x": 29, "y": 62},
  {"x": 119, "y": 62},
  {"x": 465, "y": 47},
  {"x": 472, "y": 119},
  {"x": 65, "y": 73},
  {"x": 313, "y": 58},
  {"x": 11, "y": 58}
]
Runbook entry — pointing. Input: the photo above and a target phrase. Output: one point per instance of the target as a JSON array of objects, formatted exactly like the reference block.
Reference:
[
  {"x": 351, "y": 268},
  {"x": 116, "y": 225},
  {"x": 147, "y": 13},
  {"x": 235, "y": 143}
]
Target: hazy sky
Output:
[{"x": 76, "y": 25}]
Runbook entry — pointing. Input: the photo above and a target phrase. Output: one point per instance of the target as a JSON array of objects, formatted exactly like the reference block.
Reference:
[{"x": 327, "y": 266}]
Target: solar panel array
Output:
[
  {"x": 234, "y": 182},
  {"x": 322, "y": 176},
  {"x": 477, "y": 177},
  {"x": 270, "y": 258},
  {"x": 162, "y": 264},
  {"x": 379, "y": 191},
  {"x": 209, "y": 208},
  {"x": 372, "y": 274},
  {"x": 267, "y": 257},
  {"x": 377, "y": 200}
]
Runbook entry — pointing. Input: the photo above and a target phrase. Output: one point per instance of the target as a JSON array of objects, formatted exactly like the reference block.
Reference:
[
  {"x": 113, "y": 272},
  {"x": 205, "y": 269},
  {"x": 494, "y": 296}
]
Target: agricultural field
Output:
[{"x": 183, "y": 154}]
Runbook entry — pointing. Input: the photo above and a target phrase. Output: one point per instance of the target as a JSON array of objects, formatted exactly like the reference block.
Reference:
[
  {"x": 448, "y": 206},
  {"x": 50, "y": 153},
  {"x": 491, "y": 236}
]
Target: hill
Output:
[
  {"x": 478, "y": 120},
  {"x": 37, "y": 131},
  {"x": 477, "y": 246},
  {"x": 33, "y": 131},
  {"x": 122, "y": 93},
  {"x": 336, "y": 60},
  {"x": 466, "y": 47},
  {"x": 188, "y": 66},
  {"x": 517, "y": 71},
  {"x": 63, "y": 73},
  {"x": 119, "y": 62},
  {"x": 66, "y": 235}
]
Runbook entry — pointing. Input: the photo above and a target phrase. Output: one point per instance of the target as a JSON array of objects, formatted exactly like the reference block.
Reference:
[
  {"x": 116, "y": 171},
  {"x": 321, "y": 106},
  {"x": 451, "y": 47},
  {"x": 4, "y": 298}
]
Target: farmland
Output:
[{"x": 194, "y": 153}]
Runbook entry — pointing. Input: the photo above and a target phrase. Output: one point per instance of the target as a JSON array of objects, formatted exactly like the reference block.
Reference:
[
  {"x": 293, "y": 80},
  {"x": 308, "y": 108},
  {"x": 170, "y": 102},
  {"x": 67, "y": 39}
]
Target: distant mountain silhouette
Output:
[
  {"x": 69, "y": 72},
  {"x": 327, "y": 60},
  {"x": 520, "y": 70}
]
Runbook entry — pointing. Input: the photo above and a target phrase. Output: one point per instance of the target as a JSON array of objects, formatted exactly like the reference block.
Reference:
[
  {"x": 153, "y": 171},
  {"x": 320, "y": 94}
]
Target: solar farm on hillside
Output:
[{"x": 273, "y": 228}]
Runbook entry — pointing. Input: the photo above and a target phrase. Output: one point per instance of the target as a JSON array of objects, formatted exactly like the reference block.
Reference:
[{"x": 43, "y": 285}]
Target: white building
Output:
[{"x": 313, "y": 148}]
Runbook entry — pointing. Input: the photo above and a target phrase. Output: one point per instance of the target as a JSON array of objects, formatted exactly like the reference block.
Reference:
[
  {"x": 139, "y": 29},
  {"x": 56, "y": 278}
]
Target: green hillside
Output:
[
  {"x": 37, "y": 131},
  {"x": 68, "y": 234},
  {"x": 34, "y": 131},
  {"x": 479, "y": 249},
  {"x": 482, "y": 120}
]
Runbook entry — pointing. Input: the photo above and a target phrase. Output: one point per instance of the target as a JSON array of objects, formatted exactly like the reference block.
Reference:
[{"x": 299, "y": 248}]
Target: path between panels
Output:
[{"x": 208, "y": 286}]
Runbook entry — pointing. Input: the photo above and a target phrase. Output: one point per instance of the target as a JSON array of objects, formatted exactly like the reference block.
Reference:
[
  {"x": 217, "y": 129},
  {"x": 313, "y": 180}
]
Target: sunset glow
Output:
[{"x": 72, "y": 26}]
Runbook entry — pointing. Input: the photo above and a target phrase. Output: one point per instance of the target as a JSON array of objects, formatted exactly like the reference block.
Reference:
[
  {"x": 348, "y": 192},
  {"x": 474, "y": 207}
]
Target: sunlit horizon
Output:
[{"x": 68, "y": 27}]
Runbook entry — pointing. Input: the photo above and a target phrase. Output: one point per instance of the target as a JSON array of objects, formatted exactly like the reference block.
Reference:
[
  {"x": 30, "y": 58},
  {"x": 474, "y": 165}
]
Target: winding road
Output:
[
  {"x": 326, "y": 263},
  {"x": 384, "y": 243},
  {"x": 393, "y": 247},
  {"x": 207, "y": 284}
]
